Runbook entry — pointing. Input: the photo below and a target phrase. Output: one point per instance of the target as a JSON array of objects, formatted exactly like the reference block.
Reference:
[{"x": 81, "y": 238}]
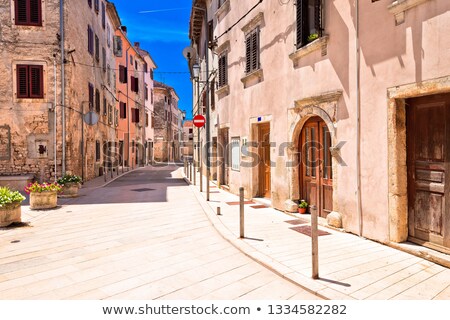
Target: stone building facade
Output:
[
  {"x": 188, "y": 139},
  {"x": 149, "y": 67},
  {"x": 318, "y": 100},
  {"x": 166, "y": 124},
  {"x": 42, "y": 132},
  {"x": 30, "y": 68}
]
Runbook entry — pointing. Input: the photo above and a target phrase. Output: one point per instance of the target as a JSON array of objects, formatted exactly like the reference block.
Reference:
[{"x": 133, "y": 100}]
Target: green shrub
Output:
[{"x": 8, "y": 196}]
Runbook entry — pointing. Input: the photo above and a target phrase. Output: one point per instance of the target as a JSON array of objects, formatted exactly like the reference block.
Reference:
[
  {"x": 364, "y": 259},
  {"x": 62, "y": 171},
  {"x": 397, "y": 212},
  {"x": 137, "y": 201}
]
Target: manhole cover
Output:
[{"x": 142, "y": 190}]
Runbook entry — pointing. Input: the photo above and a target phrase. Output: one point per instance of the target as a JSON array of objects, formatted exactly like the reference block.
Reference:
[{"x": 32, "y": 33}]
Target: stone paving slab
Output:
[
  {"x": 115, "y": 243},
  {"x": 350, "y": 267}
]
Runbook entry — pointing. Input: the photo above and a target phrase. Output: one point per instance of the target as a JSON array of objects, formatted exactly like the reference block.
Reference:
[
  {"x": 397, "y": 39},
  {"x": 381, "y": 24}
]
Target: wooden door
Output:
[
  {"x": 264, "y": 167},
  {"x": 428, "y": 156},
  {"x": 316, "y": 176}
]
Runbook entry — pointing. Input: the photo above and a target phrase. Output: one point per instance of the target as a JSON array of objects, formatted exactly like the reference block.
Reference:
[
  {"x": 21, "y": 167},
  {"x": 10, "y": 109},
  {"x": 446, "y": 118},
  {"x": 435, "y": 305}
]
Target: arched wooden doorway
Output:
[{"x": 316, "y": 176}]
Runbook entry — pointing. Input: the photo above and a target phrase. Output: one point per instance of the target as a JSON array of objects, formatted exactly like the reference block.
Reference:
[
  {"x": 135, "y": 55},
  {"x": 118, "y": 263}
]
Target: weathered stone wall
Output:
[
  {"x": 28, "y": 124},
  {"x": 83, "y": 68}
]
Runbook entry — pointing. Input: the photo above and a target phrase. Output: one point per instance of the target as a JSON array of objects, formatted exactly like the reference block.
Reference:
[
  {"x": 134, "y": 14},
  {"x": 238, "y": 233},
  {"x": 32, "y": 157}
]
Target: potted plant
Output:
[
  {"x": 43, "y": 195},
  {"x": 70, "y": 185},
  {"x": 302, "y": 206},
  {"x": 10, "y": 206},
  {"x": 313, "y": 37}
]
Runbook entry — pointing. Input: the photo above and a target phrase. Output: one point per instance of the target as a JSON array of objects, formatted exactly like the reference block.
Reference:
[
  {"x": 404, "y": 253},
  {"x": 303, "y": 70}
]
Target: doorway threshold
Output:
[{"x": 423, "y": 252}]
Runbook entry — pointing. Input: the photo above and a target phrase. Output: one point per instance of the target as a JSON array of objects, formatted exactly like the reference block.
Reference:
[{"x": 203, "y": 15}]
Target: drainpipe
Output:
[
  {"x": 55, "y": 118},
  {"x": 129, "y": 113},
  {"x": 63, "y": 89},
  {"x": 358, "y": 122}
]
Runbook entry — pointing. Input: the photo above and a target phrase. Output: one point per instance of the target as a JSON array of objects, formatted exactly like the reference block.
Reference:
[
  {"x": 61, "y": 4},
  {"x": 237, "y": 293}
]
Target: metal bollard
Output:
[
  {"x": 241, "y": 212},
  {"x": 314, "y": 242},
  {"x": 104, "y": 174},
  {"x": 218, "y": 211},
  {"x": 185, "y": 167},
  {"x": 191, "y": 170},
  {"x": 112, "y": 172},
  {"x": 195, "y": 173}
]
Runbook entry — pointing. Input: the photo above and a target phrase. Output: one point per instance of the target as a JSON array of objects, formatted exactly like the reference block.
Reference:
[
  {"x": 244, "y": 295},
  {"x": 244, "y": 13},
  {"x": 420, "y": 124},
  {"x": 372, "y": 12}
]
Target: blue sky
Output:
[{"x": 162, "y": 31}]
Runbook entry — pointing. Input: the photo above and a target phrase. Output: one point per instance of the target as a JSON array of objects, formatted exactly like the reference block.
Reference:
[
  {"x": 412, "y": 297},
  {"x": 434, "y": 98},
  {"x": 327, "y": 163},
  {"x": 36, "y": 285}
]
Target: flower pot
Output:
[
  {"x": 10, "y": 213},
  {"x": 69, "y": 190},
  {"x": 43, "y": 200},
  {"x": 302, "y": 210}
]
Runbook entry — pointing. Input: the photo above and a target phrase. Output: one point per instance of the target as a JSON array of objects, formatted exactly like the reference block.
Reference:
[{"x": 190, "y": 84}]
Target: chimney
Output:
[
  {"x": 124, "y": 29},
  {"x": 137, "y": 45}
]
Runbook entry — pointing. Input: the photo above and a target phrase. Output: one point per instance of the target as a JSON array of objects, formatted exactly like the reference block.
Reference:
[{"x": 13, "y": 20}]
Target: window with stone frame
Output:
[
  {"x": 223, "y": 69},
  {"x": 309, "y": 21},
  {"x": 116, "y": 117},
  {"x": 252, "y": 51},
  {"x": 28, "y": 12},
  {"x": 30, "y": 81}
]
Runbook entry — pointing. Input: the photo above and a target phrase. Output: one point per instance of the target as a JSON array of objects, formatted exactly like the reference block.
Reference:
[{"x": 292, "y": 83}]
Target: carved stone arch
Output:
[{"x": 323, "y": 106}]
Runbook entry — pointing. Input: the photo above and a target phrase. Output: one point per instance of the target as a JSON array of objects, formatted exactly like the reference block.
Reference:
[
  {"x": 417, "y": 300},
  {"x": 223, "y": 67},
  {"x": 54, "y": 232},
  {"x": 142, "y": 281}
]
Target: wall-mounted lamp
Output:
[{"x": 196, "y": 71}]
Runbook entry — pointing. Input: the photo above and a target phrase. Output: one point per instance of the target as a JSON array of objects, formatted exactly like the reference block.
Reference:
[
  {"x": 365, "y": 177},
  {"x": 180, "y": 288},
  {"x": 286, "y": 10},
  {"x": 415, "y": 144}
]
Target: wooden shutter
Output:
[
  {"x": 136, "y": 85},
  {"x": 248, "y": 53},
  {"x": 97, "y": 101},
  {"x": 213, "y": 94},
  {"x": 255, "y": 49},
  {"x": 302, "y": 12},
  {"x": 103, "y": 16},
  {"x": 91, "y": 96},
  {"x": 223, "y": 70},
  {"x": 318, "y": 25},
  {"x": 105, "y": 107},
  {"x": 90, "y": 40},
  {"x": 35, "y": 12},
  {"x": 36, "y": 82},
  {"x": 123, "y": 110},
  {"x": 28, "y": 12},
  {"x": 21, "y": 12},
  {"x": 104, "y": 59},
  {"x": 22, "y": 81},
  {"x": 133, "y": 84},
  {"x": 135, "y": 115},
  {"x": 97, "y": 48}
]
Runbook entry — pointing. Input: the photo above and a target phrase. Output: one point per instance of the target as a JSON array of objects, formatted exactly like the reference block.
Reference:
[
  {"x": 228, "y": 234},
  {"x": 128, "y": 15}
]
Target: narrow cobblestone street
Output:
[{"x": 143, "y": 236}]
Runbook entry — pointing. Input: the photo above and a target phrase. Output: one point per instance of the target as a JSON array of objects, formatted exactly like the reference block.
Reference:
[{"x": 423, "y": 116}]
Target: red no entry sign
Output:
[{"x": 199, "y": 121}]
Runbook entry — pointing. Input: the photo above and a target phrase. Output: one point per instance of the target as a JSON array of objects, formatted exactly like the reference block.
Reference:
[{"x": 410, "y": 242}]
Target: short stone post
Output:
[{"x": 314, "y": 242}]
